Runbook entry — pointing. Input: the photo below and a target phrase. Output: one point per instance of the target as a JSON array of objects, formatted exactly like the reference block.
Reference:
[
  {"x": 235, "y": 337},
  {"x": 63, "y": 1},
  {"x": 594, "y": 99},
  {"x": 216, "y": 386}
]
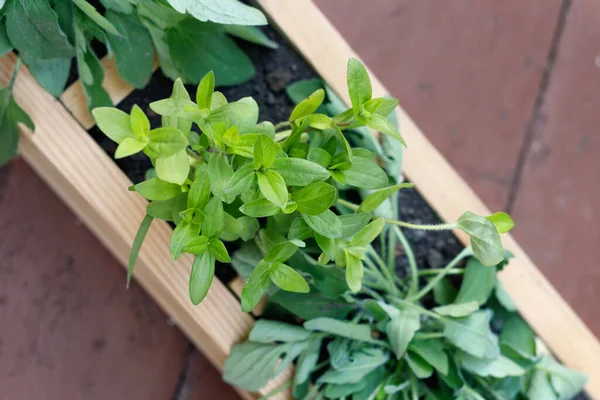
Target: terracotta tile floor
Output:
[{"x": 508, "y": 91}]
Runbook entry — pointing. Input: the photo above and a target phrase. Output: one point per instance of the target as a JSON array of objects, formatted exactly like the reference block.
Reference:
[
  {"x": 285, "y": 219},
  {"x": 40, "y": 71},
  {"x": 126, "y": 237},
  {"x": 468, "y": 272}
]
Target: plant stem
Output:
[
  {"x": 283, "y": 124},
  {"x": 487, "y": 387},
  {"x": 430, "y": 335},
  {"x": 467, "y": 251},
  {"x": 348, "y": 204},
  {"x": 434, "y": 271},
  {"x": 377, "y": 274},
  {"x": 386, "y": 271},
  {"x": 414, "y": 386},
  {"x": 433, "y": 227},
  {"x": 13, "y": 77},
  {"x": 412, "y": 262}
]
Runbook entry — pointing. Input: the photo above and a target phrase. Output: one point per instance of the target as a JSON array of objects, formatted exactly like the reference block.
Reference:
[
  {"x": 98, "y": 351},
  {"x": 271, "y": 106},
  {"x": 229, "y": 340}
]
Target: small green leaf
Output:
[
  {"x": 265, "y": 152},
  {"x": 220, "y": 172},
  {"x": 178, "y": 108},
  {"x": 245, "y": 145},
  {"x": 165, "y": 142},
  {"x": 174, "y": 168},
  {"x": 327, "y": 224},
  {"x": 242, "y": 180},
  {"x": 299, "y": 172},
  {"x": 354, "y": 271},
  {"x": 137, "y": 245},
  {"x": 287, "y": 279},
  {"x": 315, "y": 198},
  {"x": 381, "y": 124},
  {"x": 140, "y": 124},
  {"x": 308, "y": 105},
  {"x": 458, "y": 310},
  {"x": 320, "y": 156},
  {"x": 256, "y": 286},
  {"x": 307, "y": 360},
  {"x": 260, "y": 208},
  {"x": 155, "y": 189},
  {"x": 172, "y": 121},
  {"x": 352, "y": 223},
  {"x": 431, "y": 351},
  {"x": 354, "y": 369},
  {"x": 519, "y": 335},
  {"x": 203, "y": 272},
  {"x": 231, "y": 137},
  {"x": 299, "y": 230},
  {"x": 473, "y": 335},
  {"x": 283, "y": 251},
  {"x": 502, "y": 221},
  {"x": 247, "y": 227},
  {"x": 205, "y": 90},
  {"x": 217, "y": 250},
  {"x": 160, "y": 209},
  {"x": 220, "y": 11},
  {"x": 250, "y": 34},
  {"x": 401, "y": 330},
  {"x": 365, "y": 174},
  {"x": 196, "y": 245},
  {"x": 114, "y": 123},
  {"x": 485, "y": 239},
  {"x": 272, "y": 186},
  {"x": 367, "y": 234},
  {"x": 199, "y": 192},
  {"x": 374, "y": 200},
  {"x": 182, "y": 234},
  {"x": 130, "y": 146},
  {"x": 319, "y": 121},
  {"x": 215, "y": 218},
  {"x": 359, "y": 84},
  {"x": 242, "y": 114}
]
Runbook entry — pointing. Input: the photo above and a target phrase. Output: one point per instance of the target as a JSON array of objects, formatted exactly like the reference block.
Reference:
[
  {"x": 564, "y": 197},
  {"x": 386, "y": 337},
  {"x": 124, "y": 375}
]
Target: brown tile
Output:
[
  {"x": 558, "y": 205},
  {"x": 205, "y": 382},
  {"x": 68, "y": 327},
  {"x": 467, "y": 71}
]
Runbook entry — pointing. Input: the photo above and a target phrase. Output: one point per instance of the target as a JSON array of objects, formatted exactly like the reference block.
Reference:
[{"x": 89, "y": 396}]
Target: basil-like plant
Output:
[
  {"x": 48, "y": 35},
  {"x": 235, "y": 178}
]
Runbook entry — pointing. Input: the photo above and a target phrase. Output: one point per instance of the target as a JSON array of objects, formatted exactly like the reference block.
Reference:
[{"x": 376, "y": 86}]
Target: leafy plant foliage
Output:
[{"x": 190, "y": 38}]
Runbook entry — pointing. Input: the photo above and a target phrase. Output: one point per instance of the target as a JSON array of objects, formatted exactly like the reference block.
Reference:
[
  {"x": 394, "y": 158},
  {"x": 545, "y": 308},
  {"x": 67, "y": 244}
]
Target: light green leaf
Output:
[
  {"x": 205, "y": 90},
  {"x": 283, "y": 251},
  {"x": 242, "y": 114},
  {"x": 260, "y": 208},
  {"x": 178, "y": 108},
  {"x": 137, "y": 245},
  {"x": 367, "y": 234},
  {"x": 485, "y": 239},
  {"x": 160, "y": 209},
  {"x": 190, "y": 41},
  {"x": 247, "y": 227},
  {"x": 114, "y": 123},
  {"x": 287, "y": 279},
  {"x": 373, "y": 200},
  {"x": 133, "y": 48},
  {"x": 220, "y": 11},
  {"x": 360, "y": 332},
  {"x": 197, "y": 245},
  {"x": 199, "y": 192},
  {"x": 327, "y": 224},
  {"x": 265, "y": 152},
  {"x": 245, "y": 146},
  {"x": 359, "y": 84},
  {"x": 215, "y": 218},
  {"x": 458, "y": 310},
  {"x": 172, "y": 121},
  {"x": 242, "y": 180},
  {"x": 165, "y": 142},
  {"x": 502, "y": 221},
  {"x": 299, "y": 230},
  {"x": 478, "y": 283},
  {"x": 140, "y": 124},
  {"x": 299, "y": 172},
  {"x": 265, "y": 331},
  {"x": 156, "y": 189},
  {"x": 433, "y": 352},
  {"x": 308, "y": 105},
  {"x": 201, "y": 277},
  {"x": 500, "y": 367},
  {"x": 381, "y": 124},
  {"x": 217, "y": 250},
  {"x": 130, "y": 146},
  {"x": 352, "y": 223},
  {"x": 401, "y": 330},
  {"x": 354, "y": 271},
  {"x": 320, "y": 156},
  {"x": 33, "y": 29},
  {"x": 473, "y": 335},
  {"x": 272, "y": 186},
  {"x": 256, "y": 286},
  {"x": 174, "y": 168},
  {"x": 250, "y": 34},
  {"x": 182, "y": 234},
  {"x": 315, "y": 198},
  {"x": 365, "y": 174},
  {"x": 220, "y": 172}
]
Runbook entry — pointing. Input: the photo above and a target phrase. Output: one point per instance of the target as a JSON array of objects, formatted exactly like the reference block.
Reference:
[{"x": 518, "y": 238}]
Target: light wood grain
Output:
[
  {"x": 541, "y": 305},
  {"x": 92, "y": 185}
]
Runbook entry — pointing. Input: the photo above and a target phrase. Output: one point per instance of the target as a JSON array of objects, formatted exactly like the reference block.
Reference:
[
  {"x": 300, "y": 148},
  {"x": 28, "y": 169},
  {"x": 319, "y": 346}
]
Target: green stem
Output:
[
  {"x": 13, "y": 77},
  {"x": 283, "y": 124},
  {"x": 467, "y": 251},
  {"x": 391, "y": 251},
  {"x": 414, "y": 386},
  {"x": 412, "y": 262},
  {"x": 348, "y": 204},
  {"x": 431, "y": 335},
  {"x": 433, "y": 227},
  {"x": 372, "y": 293},
  {"x": 487, "y": 387},
  {"x": 376, "y": 273},
  {"x": 384, "y": 268},
  {"x": 434, "y": 271}
]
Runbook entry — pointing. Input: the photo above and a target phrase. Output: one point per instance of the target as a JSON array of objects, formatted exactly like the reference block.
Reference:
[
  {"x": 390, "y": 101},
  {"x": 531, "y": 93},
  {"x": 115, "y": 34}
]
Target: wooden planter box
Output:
[{"x": 78, "y": 170}]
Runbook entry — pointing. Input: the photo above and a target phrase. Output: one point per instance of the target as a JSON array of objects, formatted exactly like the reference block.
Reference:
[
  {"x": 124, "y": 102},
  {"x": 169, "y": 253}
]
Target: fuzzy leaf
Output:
[{"x": 485, "y": 239}]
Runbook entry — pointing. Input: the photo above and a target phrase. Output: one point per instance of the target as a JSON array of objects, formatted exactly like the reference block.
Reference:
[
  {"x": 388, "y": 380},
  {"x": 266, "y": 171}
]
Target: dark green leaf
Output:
[
  {"x": 421, "y": 368},
  {"x": 433, "y": 352},
  {"x": 311, "y": 305},
  {"x": 122, "y": 6},
  {"x": 327, "y": 224},
  {"x": 182, "y": 234},
  {"x": 444, "y": 293},
  {"x": 133, "y": 48},
  {"x": 315, "y": 198},
  {"x": 354, "y": 370},
  {"x": 473, "y": 335},
  {"x": 307, "y": 360},
  {"x": 366, "y": 174},
  {"x": 299, "y": 172},
  {"x": 51, "y": 74},
  {"x": 95, "y": 16},
  {"x": 478, "y": 283},
  {"x": 193, "y": 46},
  {"x": 137, "y": 245},
  {"x": 242, "y": 180},
  {"x": 519, "y": 335},
  {"x": 256, "y": 286},
  {"x": 10, "y": 115},
  {"x": 203, "y": 272}
]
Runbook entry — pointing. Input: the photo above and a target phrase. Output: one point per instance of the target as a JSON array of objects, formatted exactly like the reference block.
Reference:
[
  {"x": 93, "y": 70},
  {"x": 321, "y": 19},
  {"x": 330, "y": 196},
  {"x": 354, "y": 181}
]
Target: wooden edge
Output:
[
  {"x": 92, "y": 185},
  {"x": 539, "y": 303}
]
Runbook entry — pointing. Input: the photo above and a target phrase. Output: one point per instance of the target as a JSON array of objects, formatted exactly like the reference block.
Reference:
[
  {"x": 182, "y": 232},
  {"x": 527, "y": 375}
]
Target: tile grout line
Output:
[
  {"x": 182, "y": 389},
  {"x": 537, "y": 105}
]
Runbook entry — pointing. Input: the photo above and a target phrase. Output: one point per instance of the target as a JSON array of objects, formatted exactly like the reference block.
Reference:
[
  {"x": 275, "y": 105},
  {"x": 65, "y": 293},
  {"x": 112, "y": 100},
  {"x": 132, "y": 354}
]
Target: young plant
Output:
[
  {"x": 237, "y": 179},
  {"x": 49, "y": 34}
]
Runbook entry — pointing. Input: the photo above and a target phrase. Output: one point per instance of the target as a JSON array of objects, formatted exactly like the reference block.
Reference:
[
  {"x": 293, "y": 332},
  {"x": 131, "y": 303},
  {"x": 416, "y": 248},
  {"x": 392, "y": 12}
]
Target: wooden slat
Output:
[
  {"x": 92, "y": 185},
  {"x": 541, "y": 305}
]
